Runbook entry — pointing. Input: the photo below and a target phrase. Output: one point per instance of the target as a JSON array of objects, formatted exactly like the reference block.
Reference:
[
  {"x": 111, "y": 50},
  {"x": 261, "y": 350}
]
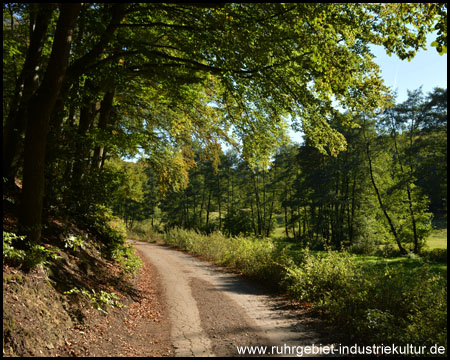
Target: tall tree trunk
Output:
[
  {"x": 207, "y": 209},
  {"x": 253, "y": 219},
  {"x": 232, "y": 194},
  {"x": 258, "y": 204},
  {"x": 263, "y": 225},
  {"x": 408, "y": 191},
  {"x": 352, "y": 213},
  {"x": 305, "y": 225},
  {"x": 87, "y": 114},
  {"x": 286, "y": 220},
  {"x": 270, "y": 215},
  {"x": 26, "y": 85},
  {"x": 105, "y": 111},
  {"x": 203, "y": 201},
  {"x": 185, "y": 211},
  {"x": 228, "y": 191},
  {"x": 382, "y": 206},
  {"x": 219, "y": 201},
  {"x": 41, "y": 107},
  {"x": 292, "y": 218},
  {"x": 336, "y": 221}
]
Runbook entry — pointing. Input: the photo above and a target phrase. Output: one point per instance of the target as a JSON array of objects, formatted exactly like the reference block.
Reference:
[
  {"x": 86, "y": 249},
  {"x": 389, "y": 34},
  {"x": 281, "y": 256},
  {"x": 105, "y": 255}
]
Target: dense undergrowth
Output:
[
  {"x": 399, "y": 303},
  {"x": 102, "y": 229}
]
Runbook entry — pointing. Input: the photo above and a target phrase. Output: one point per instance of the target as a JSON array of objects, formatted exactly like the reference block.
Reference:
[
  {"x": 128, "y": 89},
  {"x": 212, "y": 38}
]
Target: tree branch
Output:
[{"x": 161, "y": 24}]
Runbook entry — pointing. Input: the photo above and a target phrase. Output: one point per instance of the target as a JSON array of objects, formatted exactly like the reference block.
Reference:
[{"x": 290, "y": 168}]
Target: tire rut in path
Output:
[
  {"x": 212, "y": 311},
  {"x": 225, "y": 322},
  {"x": 187, "y": 335}
]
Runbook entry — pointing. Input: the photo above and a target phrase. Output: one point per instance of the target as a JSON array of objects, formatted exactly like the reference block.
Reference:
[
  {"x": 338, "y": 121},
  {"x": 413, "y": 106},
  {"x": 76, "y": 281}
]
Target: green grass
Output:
[
  {"x": 279, "y": 232},
  {"x": 368, "y": 262},
  {"x": 371, "y": 261},
  {"x": 437, "y": 239}
]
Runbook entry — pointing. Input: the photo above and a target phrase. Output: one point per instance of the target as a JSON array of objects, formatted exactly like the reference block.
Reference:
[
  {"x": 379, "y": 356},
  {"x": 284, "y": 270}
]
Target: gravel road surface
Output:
[{"x": 212, "y": 311}]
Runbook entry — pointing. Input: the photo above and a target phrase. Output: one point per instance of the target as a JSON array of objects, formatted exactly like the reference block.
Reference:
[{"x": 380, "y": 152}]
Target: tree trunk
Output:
[
  {"x": 263, "y": 225},
  {"x": 26, "y": 86},
  {"x": 253, "y": 219},
  {"x": 219, "y": 201},
  {"x": 41, "y": 107},
  {"x": 81, "y": 149},
  {"x": 202, "y": 205},
  {"x": 292, "y": 222},
  {"x": 105, "y": 111},
  {"x": 207, "y": 208},
  {"x": 352, "y": 213},
  {"x": 270, "y": 215},
  {"x": 258, "y": 205},
  {"x": 286, "y": 220},
  {"x": 305, "y": 225},
  {"x": 382, "y": 206},
  {"x": 408, "y": 191}
]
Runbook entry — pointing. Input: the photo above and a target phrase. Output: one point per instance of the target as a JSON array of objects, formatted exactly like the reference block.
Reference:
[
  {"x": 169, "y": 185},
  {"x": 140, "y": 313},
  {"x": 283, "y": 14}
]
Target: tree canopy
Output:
[{"x": 101, "y": 79}]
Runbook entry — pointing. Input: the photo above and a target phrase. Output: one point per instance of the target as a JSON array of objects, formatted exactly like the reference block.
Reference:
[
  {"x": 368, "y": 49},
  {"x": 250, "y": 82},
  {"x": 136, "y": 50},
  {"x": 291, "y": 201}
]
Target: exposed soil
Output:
[
  {"x": 38, "y": 320},
  {"x": 34, "y": 319},
  {"x": 142, "y": 329}
]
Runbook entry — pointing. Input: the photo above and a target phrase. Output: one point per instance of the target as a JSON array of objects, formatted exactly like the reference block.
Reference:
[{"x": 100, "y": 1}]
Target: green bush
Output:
[
  {"x": 39, "y": 255},
  {"x": 320, "y": 275},
  {"x": 388, "y": 251},
  {"x": 439, "y": 255},
  {"x": 109, "y": 228},
  {"x": 238, "y": 223},
  {"x": 33, "y": 256},
  {"x": 363, "y": 247},
  {"x": 112, "y": 232},
  {"x": 125, "y": 255},
  {"x": 10, "y": 253},
  {"x": 144, "y": 231},
  {"x": 390, "y": 303},
  {"x": 254, "y": 257},
  {"x": 414, "y": 304},
  {"x": 73, "y": 242}
]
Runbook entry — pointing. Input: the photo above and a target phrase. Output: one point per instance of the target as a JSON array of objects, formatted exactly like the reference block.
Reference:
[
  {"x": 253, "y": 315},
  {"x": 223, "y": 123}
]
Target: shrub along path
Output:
[{"x": 213, "y": 310}]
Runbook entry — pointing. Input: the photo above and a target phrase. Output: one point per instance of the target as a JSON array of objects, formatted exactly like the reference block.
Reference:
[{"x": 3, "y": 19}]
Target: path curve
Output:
[{"x": 213, "y": 311}]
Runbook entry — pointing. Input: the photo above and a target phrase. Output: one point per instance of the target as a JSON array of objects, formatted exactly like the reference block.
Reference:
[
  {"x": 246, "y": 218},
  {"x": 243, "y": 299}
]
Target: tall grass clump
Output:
[
  {"x": 144, "y": 231},
  {"x": 321, "y": 275},
  {"x": 253, "y": 257}
]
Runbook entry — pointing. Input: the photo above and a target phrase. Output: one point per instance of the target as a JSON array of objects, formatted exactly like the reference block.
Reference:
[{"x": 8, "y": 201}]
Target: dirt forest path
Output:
[{"x": 213, "y": 311}]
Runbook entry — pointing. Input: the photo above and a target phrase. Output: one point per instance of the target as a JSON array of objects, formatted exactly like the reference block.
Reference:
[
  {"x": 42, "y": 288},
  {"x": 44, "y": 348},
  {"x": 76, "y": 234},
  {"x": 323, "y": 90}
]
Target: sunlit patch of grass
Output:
[
  {"x": 279, "y": 232},
  {"x": 369, "y": 261},
  {"x": 437, "y": 239}
]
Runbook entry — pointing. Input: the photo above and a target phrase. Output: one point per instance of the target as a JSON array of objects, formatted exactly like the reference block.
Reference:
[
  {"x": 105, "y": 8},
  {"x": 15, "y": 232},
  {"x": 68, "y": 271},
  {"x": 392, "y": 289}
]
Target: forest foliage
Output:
[
  {"x": 86, "y": 86},
  {"x": 85, "y": 83}
]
